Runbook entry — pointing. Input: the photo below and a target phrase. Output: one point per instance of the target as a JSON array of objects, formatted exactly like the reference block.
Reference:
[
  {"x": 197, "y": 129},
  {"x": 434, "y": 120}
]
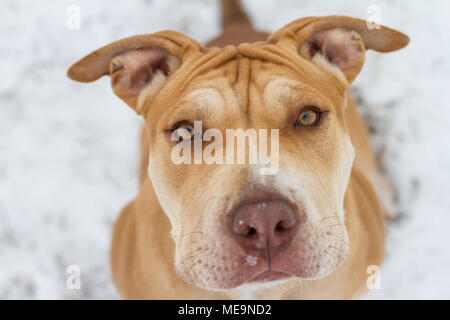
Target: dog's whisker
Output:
[
  {"x": 197, "y": 251},
  {"x": 188, "y": 271},
  {"x": 332, "y": 217},
  {"x": 190, "y": 233},
  {"x": 184, "y": 244},
  {"x": 191, "y": 272},
  {"x": 333, "y": 247},
  {"x": 329, "y": 233},
  {"x": 337, "y": 224},
  {"x": 194, "y": 254}
]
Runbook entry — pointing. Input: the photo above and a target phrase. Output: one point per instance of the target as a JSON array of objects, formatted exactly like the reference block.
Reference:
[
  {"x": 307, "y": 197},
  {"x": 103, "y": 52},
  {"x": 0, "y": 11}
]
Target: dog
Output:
[{"x": 313, "y": 229}]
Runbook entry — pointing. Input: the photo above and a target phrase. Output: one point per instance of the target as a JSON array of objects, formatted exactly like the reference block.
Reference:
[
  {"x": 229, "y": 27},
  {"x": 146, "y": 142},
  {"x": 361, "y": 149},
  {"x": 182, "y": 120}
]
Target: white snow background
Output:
[{"x": 69, "y": 151}]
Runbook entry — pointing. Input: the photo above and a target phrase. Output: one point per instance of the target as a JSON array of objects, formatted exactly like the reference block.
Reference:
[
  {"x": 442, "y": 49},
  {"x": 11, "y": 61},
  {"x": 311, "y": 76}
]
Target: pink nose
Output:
[{"x": 264, "y": 226}]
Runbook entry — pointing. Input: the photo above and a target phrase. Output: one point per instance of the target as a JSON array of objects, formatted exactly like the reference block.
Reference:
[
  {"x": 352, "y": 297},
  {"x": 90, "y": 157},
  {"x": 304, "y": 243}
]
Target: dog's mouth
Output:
[
  {"x": 214, "y": 269},
  {"x": 267, "y": 269},
  {"x": 269, "y": 276},
  {"x": 267, "y": 240},
  {"x": 264, "y": 225}
]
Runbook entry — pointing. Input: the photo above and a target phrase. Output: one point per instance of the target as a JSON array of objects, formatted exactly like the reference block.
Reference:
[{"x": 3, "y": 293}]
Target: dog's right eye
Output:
[
  {"x": 308, "y": 117},
  {"x": 184, "y": 130}
]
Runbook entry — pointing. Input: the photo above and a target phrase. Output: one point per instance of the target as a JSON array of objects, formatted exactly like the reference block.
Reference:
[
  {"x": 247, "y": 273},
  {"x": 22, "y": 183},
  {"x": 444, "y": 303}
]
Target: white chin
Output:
[{"x": 261, "y": 285}]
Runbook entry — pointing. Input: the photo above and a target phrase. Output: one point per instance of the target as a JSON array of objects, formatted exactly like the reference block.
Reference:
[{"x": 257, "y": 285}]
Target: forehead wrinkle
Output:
[
  {"x": 277, "y": 96},
  {"x": 291, "y": 93},
  {"x": 207, "y": 103},
  {"x": 242, "y": 82},
  {"x": 281, "y": 96}
]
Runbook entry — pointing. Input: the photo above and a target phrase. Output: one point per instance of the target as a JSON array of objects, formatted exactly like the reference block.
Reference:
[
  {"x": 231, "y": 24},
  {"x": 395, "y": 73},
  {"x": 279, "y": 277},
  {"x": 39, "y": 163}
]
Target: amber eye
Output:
[
  {"x": 307, "y": 118},
  {"x": 185, "y": 131}
]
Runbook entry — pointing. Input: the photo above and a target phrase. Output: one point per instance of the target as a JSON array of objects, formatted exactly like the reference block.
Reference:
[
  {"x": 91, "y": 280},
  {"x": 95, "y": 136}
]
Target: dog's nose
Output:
[{"x": 264, "y": 225}]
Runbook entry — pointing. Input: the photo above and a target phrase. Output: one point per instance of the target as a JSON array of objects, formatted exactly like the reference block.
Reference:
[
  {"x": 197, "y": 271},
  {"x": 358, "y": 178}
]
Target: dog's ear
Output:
[
  {"x": 137, "y": 64},
  {"x": 339, "y": 41}
]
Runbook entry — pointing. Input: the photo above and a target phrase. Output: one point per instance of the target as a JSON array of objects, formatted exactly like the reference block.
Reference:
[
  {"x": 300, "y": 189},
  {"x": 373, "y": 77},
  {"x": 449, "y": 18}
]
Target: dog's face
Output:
[
  {"x": 206, "y": 202},
  {"x": 233, "y": 225}
]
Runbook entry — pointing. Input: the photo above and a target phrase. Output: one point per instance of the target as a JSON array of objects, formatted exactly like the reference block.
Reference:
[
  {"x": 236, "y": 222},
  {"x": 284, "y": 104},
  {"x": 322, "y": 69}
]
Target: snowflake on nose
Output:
[{"x": 251, "y": 260}]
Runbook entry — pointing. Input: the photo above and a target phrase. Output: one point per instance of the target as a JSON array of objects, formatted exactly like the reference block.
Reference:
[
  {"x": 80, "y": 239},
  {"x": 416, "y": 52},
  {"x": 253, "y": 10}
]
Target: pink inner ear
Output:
[
  {"x": 133, "y": 70},
  {"x": 341, "y": 47}
]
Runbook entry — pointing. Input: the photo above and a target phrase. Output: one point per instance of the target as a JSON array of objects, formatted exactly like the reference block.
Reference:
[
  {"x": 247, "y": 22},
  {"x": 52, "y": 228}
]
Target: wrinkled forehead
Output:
[{"x": 235, "y": 76}]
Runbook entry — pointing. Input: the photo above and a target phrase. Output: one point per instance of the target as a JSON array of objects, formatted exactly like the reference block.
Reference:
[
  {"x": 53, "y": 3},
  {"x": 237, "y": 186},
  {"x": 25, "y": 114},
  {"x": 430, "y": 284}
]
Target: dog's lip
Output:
[{"x": 269, "y": 275}]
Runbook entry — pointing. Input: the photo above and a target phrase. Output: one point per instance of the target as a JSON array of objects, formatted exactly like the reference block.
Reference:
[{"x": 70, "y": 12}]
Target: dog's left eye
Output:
[
  {"x": 307, "y": 117},
  {"x": 185, "y": 131}
]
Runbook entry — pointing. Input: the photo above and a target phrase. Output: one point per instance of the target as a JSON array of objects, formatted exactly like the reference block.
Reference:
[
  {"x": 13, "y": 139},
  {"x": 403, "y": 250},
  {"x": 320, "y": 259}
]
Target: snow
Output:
[
  {"x": 251, "y": 260},
  {"x": 69, "y": 151}
]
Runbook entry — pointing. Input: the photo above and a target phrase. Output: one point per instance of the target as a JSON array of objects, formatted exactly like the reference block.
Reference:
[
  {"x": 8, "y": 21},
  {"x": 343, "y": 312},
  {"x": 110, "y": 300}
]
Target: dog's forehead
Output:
[{"x": 242, "y": 78}]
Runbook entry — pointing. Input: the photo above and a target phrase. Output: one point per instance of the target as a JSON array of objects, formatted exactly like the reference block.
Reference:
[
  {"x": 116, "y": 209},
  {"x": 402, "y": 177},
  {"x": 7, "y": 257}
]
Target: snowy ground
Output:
[{"x": 68, "y": 151}]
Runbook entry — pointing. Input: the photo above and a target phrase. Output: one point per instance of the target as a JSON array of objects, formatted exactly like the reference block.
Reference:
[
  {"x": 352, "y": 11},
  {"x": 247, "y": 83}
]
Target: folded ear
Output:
[
  {"x": 339, "y": 41},
  {"x": 136, "y": 64}
]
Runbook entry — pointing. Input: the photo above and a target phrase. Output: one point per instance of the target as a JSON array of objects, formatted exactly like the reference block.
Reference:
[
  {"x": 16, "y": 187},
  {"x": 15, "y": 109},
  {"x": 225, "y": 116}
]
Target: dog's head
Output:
[{"x": 233, "y": 222}]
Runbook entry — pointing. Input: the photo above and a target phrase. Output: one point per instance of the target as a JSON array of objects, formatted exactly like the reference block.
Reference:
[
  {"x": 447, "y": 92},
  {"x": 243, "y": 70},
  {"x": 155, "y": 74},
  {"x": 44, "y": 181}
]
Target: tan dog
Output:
[{"x": 309, "y": 231}]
